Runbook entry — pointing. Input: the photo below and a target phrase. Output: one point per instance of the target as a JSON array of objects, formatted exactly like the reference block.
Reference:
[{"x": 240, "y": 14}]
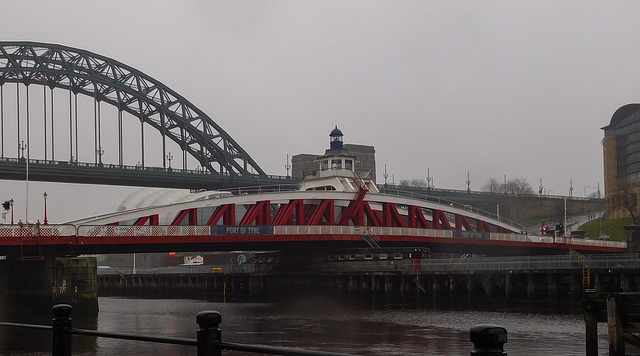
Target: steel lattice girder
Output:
[{"x": 129, "y": 90}]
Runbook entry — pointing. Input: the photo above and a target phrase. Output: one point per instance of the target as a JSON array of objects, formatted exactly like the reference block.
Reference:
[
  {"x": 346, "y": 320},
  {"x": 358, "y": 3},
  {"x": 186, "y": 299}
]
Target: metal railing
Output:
[
  {"x": 488, "y": 339},
  {"x": 552, "y": 262},
  {"x": 88, "y": 231},
  {"x": 180, "y": 269}
]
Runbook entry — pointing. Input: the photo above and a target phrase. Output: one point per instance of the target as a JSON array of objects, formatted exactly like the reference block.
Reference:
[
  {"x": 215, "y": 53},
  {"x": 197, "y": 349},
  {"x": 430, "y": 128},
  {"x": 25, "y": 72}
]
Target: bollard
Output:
[
  {"x": 488, "y": 340},
  {"x": 61, "y": 343},
  {"x": 209, "y": 333}
]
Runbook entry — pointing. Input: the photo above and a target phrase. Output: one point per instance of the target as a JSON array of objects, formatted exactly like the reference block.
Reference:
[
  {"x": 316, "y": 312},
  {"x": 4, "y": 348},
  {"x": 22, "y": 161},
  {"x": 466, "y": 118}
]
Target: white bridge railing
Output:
[{"x": 87, "y": 231}]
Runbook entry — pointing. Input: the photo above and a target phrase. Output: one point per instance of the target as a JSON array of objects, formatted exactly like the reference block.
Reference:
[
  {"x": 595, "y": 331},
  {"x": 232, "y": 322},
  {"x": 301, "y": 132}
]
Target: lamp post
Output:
[
  {"x": 169, "y": 158},
  {"x": 46, "y": 221},
  {"x": 385, "y": 175},
  {"x": 287, "y": 166},
  {"x": 22, "y": 147},
  {"x": 11, "y": 201},
  {"x": 100, "y": 152},
  {"x": 570, "y": 187}
]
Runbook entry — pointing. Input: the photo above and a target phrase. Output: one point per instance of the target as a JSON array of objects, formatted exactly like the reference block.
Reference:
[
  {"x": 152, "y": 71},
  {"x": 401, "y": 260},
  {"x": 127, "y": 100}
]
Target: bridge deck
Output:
[{"x": 67, "y": 239}]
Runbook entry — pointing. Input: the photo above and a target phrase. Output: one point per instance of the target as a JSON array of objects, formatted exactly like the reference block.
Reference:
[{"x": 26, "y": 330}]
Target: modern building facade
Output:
[{"x": 621, "y": 153}]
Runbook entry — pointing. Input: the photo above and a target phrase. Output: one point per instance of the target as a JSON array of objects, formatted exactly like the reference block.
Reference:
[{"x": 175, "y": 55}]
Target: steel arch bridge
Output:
[{"x": 130, "y": 91}]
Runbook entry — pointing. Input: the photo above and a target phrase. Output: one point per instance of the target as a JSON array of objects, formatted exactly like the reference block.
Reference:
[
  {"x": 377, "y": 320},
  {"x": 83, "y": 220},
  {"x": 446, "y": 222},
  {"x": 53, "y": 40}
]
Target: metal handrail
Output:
[{"x": 209, "y": 337}]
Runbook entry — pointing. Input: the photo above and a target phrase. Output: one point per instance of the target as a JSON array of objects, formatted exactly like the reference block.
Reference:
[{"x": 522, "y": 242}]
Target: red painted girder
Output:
[
  {"x": 483, "y": 226},
  {"x": 391, "y": 217},
  {"x": 353, "y": 209},
  {"x": 152, "y": 219},
  {"x": 440, "y": 220},
  {"x": 291, "y": 213},
  {"x": 227, "y": 212},
  {"x": 258, "y": 214},
  {"x": 323, "y": 214},
  {"x": 463, "y": 222},
  {"x": 416, "y": 218},
  {"x": 191, "y": 213},
  {"x": 373, "y": 216}
]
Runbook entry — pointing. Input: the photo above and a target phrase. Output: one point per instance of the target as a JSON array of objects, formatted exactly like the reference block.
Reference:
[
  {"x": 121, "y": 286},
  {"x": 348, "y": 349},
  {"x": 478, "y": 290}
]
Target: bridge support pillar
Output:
[
  {"x": 388, "y": 287},
  {"x": 597, "y": 284},
  {"x": 552, "y": 286},
  {"x": 435, "y": 286},
  {"x": 625, "y": 282},
  {"x": 575, "y": 285},
  {"x": 42, "y": 283},
  {"x": 531, "y": 286},
  {"x": 487, "y": 285},
  {"x": 508, "y": 286},
  {"x": 452, "y": 286}
]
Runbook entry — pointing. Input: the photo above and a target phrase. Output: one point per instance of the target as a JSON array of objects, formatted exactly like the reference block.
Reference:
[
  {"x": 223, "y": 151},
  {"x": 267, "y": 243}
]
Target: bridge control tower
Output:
[
  {"x": 365, "y": 162},
  {"x": 336, "y": 170}
]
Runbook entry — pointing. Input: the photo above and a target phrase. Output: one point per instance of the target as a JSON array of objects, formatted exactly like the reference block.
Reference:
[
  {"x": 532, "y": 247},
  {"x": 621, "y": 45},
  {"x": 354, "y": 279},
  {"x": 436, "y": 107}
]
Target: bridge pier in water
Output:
[{"x": 43, "y": 282}]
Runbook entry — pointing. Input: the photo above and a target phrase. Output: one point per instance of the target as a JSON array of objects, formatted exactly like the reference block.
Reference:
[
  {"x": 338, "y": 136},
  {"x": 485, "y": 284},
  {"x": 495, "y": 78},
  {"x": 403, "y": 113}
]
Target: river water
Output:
[{"x": 372, "y": 329}]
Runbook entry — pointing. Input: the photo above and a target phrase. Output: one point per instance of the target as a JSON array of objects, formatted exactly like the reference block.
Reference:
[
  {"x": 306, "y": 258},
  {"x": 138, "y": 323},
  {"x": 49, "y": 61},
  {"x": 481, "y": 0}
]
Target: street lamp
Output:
[
  {"x": 100, "y": 152},
  {"x": 22, "y": 147},
  {"x": 169, "y": 157},
  {"x": 287, "y": 166},
  {"x": 46, "y": 221}
]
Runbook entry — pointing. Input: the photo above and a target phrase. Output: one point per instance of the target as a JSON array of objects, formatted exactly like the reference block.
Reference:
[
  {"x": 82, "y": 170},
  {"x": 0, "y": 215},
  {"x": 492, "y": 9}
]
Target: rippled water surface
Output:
[{"x": 313, "y": 324}]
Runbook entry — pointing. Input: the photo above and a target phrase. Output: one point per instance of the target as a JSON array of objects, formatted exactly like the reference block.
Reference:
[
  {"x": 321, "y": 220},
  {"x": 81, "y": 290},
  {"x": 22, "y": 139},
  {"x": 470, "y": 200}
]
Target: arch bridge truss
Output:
[{"x": 143, "y": 98}]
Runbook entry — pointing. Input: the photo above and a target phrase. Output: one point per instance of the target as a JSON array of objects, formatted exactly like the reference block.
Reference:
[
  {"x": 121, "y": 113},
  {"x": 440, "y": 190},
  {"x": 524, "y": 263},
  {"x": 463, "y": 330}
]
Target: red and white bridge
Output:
[{"x": 294, "y": 220}]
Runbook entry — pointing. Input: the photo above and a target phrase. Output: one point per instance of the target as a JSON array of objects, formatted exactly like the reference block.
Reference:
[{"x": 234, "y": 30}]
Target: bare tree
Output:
[
  {"x": 418, "y": 183},
  {"x": 516, "y": 186},
  {"x": 629, "y": 199},
  {"x": 404, "y": 183},
  {"x": 492, "y": 186},
  {"x": 520, "y": 186}
]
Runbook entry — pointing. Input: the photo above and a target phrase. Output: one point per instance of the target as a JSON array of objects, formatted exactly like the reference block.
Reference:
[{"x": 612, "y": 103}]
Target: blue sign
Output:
[
  {"x": 472, "y": 234},
  {"x": 241, "y": 230}
]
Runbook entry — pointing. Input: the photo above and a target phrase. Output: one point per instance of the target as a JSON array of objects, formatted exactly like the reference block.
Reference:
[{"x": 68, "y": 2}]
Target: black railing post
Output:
[
  {"x": 488, "y": 340},
  {"x": 61, "y": 344},
  {"x": 209, "y": 333}
]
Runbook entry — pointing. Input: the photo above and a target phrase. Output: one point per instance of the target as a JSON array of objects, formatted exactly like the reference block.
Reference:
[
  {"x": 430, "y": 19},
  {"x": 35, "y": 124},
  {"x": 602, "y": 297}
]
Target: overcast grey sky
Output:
[{"x": 494, "y": 88}]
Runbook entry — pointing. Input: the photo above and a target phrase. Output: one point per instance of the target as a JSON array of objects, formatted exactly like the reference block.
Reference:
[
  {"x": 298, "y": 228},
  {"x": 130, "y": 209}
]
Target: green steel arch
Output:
[{"x": 132, "y": 91}]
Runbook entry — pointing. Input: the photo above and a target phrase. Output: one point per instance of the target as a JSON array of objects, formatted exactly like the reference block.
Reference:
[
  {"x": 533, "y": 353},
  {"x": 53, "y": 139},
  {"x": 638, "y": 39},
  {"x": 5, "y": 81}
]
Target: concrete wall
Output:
[{"x": 44, "y": 282}]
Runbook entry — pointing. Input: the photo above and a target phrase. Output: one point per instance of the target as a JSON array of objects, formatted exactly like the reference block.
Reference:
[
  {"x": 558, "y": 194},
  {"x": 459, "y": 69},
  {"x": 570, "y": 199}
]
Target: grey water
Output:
[{"x": 313, "y": 323}]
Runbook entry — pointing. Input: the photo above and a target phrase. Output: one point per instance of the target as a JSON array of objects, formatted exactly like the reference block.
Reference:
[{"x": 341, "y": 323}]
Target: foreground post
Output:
[
  {"x": 61, "y": 344},
  {"x": 488, "y": 340},
  {"x": 209, "y": 333}
]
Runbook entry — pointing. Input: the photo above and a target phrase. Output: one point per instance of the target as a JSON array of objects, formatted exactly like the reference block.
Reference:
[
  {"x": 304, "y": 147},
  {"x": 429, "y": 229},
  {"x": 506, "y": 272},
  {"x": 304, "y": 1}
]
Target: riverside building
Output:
[{"x": 621, "y": 153}]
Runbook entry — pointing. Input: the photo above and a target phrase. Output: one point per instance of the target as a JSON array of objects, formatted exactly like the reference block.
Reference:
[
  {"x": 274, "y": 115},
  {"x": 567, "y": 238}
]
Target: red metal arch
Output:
[{"x": 326, "y": 212}]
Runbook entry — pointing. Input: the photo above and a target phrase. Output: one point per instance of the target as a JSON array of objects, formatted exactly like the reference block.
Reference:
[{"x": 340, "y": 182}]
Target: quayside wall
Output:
[
  {"x": 553, "y": 278},
  {"x": 41, "y": 282}
]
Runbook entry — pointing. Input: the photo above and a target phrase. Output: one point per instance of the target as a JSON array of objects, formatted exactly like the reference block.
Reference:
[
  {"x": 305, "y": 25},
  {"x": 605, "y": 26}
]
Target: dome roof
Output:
[
  {"x": 336, "y": 132},
  {"x": 622, "y": 113}
]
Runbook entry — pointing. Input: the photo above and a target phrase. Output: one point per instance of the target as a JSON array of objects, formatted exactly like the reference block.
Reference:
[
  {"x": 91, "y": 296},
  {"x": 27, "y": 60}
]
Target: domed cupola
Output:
[{"x": 336, "y": 139}]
